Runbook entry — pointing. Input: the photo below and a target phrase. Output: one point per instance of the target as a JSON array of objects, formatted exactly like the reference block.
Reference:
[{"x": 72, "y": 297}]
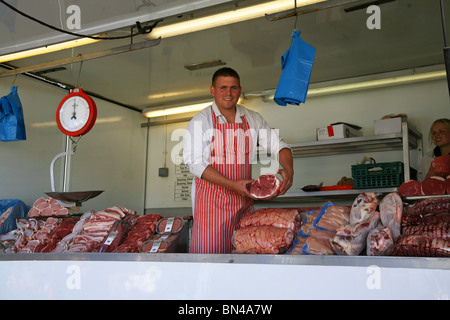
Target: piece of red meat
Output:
[
  {"x": 441, "y": 165},
  {"x": 434, "y": 185},
  {"x": 266, "y": 187},
  {"x": 410, "y": 188}
]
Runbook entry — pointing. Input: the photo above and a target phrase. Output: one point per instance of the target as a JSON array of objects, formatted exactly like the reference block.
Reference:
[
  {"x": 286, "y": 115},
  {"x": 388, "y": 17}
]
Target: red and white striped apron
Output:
[{"x": 218, "y": 210}]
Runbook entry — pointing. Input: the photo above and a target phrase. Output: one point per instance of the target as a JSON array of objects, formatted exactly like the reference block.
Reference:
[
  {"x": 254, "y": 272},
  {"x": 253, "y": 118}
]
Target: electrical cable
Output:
[{"x": 141, "y": 30}]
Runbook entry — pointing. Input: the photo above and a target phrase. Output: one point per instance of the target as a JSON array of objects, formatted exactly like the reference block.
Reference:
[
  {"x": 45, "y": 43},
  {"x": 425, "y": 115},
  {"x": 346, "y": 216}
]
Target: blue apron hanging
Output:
[
  {"x": 12, "y": 125},
  {"x": 296, "y": 65}
]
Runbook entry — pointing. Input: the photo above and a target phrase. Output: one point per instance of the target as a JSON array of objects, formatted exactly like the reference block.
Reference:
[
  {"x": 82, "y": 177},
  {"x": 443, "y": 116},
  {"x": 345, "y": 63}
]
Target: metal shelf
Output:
[
  {"x": 404, "y": 141},
  {"x": 314, "y": 196},
  {"x": 384, "y": 142}
]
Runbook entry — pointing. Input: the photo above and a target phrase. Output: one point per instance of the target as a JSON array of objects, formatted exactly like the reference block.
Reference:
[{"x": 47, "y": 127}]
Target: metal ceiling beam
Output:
[{"x": 81, "y": 57}]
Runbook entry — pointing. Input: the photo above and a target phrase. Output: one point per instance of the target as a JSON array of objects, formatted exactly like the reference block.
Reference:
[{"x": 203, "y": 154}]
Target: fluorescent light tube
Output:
[{"x": 225, "y": 18}]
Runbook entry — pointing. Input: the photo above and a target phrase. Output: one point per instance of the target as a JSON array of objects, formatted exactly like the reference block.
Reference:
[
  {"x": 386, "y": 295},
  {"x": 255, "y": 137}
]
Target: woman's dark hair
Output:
[{"x": 225, "y": 72}]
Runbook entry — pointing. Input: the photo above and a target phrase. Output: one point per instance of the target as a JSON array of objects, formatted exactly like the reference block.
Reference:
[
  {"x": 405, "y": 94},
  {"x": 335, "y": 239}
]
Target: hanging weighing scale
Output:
[{"x": 75, "y": 117}]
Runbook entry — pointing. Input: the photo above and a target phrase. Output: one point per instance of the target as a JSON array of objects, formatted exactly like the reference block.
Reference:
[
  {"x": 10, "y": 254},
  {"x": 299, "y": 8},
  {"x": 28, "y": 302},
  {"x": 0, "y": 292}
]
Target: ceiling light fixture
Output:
[
  {"x": 226, "y": 18},
  {"x": 204, "y": 65},
  {"x": 46, "y": 49},
  {"x": 370, "y": 84},
  {"x": 169, "y": 111}
]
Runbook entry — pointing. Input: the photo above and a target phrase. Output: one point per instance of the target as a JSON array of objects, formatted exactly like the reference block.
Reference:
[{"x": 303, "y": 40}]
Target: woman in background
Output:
[{"x": 440, "y": 136}]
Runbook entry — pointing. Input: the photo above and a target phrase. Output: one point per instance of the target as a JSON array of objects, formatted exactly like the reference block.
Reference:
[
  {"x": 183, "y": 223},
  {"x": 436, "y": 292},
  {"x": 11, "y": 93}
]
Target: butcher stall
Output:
[{"x": 301, "y": 253}]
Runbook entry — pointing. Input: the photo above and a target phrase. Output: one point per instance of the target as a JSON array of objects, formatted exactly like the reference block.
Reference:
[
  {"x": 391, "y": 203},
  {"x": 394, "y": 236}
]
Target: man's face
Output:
[{"x": 226, "y": 92}]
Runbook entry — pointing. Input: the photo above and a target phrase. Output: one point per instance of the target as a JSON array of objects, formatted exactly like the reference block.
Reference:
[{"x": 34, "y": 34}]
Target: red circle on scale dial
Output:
[{"x": 76, "y": 113}]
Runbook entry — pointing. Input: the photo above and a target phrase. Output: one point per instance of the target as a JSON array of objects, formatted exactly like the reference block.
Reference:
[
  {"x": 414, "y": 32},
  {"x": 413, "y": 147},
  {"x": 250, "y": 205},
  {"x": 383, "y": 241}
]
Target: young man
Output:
[{"x": 218, "y": 150}]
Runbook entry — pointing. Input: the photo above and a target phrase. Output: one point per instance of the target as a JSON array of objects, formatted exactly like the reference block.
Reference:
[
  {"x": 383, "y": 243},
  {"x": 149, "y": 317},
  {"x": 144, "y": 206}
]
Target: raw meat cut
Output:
[
  {"x": 115, "y": 236},
  {"x": 332, "y": 217},
  {"x": 434, "y": 185},
  {"x": 266, "y": 187},
  {"x": 380, "y": 241},
  {"x": 410, "y": 188},
  {"x": 441, "y": 165},
  {"x": 262, "y": 239},
  {"x": 319, "y": 243},
  {"x": 391, "y": 209},
  {"x": 439, "y": 230},
  {"x": 276, "y": 217},
  {"x": 428, "y": 211},
  {"x": 422, "y": 246},
  {"x": 155, "y": 246},
  {"x": 363, "y": 206},
  {"x": 140, "y": 230},
  {"x": 170, "y": 225},
  {"x": 351, "y": 239},
  {"x": 447, "y": 181},
  {"x": 47, "y": 207}
]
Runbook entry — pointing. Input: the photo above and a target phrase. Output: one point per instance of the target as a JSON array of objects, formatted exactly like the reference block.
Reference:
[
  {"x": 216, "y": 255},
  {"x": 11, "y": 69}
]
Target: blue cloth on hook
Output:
[
  {"x": 12, "y": 124},
  {"x": 296, "y": 65}
]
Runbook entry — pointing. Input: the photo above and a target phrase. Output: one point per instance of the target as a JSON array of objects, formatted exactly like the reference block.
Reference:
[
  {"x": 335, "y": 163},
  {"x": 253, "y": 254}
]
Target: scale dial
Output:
[{"x": 76, "y": 113}]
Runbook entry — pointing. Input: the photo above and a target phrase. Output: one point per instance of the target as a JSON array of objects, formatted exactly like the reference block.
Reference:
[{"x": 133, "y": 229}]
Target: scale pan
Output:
[{"x": 75, "y": 196}]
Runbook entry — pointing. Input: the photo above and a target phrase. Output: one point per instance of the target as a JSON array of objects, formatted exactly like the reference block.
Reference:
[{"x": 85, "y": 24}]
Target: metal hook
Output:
[{"x": 296, "y": 15}]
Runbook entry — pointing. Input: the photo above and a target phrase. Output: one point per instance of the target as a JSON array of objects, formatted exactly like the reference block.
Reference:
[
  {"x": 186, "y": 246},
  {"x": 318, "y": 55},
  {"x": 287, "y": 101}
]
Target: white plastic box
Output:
[
  {"x": 338, "y": 131},
  {"x": 385, "y": 126}
]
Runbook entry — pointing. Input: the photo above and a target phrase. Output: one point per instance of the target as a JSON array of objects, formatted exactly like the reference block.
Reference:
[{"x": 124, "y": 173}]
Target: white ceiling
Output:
[{"x": 411, "y": 36}]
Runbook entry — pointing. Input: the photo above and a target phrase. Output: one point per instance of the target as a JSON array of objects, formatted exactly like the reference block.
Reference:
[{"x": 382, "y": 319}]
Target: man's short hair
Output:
[{"x": 225, "y": 72}]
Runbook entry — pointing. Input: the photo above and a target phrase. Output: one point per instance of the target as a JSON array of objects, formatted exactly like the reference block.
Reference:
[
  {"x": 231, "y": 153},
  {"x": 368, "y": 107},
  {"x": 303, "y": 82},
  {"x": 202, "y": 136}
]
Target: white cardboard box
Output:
[
  {"x": 385, "y": 126},
  {"x": 338, "y": 131}
]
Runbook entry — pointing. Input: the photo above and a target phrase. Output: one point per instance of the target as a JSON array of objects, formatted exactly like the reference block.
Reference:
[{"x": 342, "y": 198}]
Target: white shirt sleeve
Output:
[{"x": 197, "y": 142}]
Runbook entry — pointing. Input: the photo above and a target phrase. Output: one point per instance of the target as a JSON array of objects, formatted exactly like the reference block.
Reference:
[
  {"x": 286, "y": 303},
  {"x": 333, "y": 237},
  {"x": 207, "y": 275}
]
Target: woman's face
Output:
[{"x": 440, "y": 133}]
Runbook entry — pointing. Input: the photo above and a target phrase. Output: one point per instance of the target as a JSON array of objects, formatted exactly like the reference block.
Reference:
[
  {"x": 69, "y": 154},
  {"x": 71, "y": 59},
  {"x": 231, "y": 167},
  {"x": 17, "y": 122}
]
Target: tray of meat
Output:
[
  {"x": 170, "y": 225},
  {"x": 157, "y": 246},
  {"x": 115, "y": 236}
]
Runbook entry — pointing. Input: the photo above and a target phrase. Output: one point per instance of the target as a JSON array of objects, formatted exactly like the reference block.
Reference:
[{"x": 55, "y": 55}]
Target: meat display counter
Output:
[{"x": 183, "y": 276}]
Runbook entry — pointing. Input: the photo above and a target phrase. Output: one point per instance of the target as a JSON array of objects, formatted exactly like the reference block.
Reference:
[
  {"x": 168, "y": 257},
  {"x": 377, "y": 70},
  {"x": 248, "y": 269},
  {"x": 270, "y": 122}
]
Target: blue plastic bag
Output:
[
  {"x": 19, "y": 210},
  {"x": 296, "y": 65},
  {"x": 12, "y": 124}
]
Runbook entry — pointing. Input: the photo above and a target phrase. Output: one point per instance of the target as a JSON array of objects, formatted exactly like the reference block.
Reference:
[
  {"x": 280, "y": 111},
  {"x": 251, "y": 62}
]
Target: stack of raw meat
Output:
[
  {"x": 92, "y": 231},
  {"x": 350, "y": 239},
  {"x": 426, "y": 229},
  {"x": 319, "y": 228},
  {"x": 140, "y": 230},
  {"x": 267, "y": 231},
  {"x": 435, "y": 185},
  {"x": 32, "y": 235},
  {"x": 47, "y": 207}
]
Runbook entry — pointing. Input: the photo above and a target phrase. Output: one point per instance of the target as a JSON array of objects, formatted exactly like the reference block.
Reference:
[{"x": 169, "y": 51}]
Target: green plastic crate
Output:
[{"x": 377, "y": 175}]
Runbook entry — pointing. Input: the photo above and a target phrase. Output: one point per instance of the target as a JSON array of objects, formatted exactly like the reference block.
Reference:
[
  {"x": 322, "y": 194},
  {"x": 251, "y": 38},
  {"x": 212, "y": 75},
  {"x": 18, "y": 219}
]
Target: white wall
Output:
[
  {"x": 110, "y": 157},
  {"x": 422, "y": 102}
]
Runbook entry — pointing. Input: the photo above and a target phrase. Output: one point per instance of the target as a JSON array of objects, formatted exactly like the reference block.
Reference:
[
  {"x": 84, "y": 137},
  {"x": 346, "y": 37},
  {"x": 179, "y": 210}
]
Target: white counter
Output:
[{"x": 229, "y": 276}]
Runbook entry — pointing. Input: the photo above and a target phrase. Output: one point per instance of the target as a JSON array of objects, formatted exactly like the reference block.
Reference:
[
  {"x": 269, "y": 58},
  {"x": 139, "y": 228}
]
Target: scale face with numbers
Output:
[
  {"x": 75, "y": 117},
  {"x": 76, "y": 113}
]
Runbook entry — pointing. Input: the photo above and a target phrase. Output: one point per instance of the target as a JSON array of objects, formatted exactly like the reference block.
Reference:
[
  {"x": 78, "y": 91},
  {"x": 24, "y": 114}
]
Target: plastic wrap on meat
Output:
[
  {"x": 428, "y": 211},
  {"x": 351, "y": 239},
  {"x": 332, "y": 217},
  {"x": 391, "y": 209},
  {"x": 422, "y": 246},
  {"x": 140, "y": 230},
  {"x": 266, "y": 187},
  {"x": 380, "y": 241},
  {"x": 363, "y": 206},
  {"x": 319, "y": 243},
  {"x": 170, "y": 225},
  {"x": 276, "y": 217},
  {"x": 263, "y": 240}
]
